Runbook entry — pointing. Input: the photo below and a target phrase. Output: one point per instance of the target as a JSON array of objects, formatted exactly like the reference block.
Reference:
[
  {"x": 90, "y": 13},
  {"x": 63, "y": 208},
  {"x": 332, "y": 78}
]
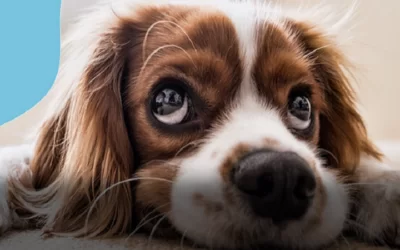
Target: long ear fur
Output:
[
  {"x": 342, "y": 131},
  {"x": 83, "y": 148}
]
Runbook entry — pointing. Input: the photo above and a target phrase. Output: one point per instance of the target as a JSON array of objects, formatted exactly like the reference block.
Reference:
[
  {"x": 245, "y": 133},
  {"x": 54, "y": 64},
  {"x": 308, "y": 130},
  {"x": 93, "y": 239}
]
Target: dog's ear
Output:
[
  {"x": 342, "y": 133},
  {"x": 83, "y": 150}
]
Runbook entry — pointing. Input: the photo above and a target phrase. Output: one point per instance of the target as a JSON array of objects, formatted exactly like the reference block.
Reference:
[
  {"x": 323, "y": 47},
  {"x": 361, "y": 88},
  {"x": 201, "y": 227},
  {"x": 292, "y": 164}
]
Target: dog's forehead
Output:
[{"x": 244, "y": 37}]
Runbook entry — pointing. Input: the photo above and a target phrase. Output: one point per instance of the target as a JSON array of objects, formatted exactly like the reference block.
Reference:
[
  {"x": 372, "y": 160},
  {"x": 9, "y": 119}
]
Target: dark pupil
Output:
[
  {"x": 300, "y": 108},
  {"x": 167, "y": 101}
]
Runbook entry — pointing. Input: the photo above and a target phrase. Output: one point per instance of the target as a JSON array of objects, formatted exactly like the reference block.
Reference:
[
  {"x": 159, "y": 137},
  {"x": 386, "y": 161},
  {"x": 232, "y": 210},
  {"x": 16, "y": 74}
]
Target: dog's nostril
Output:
[
  {"x": 305, "y": 187},
  {"x": 266, "y": 185},
  {"x": 279, "y": 185},
  {"x": 254, "y": 184}
]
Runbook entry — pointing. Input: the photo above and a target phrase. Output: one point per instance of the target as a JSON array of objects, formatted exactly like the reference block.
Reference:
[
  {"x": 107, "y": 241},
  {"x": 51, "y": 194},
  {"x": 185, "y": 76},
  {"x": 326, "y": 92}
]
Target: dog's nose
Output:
[{"x": 278, "y": 185}]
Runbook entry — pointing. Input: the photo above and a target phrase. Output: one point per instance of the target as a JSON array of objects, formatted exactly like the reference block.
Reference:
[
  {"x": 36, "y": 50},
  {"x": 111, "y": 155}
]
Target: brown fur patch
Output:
[
  {"x": 155, "y": 184},
  {"x": 210, "y": 207},
  {"x": 230, "y": 161}
]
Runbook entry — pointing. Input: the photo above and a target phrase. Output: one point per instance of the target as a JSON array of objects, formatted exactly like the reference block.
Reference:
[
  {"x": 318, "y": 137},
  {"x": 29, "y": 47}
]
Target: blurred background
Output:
[{"x": 374, "y": 47}]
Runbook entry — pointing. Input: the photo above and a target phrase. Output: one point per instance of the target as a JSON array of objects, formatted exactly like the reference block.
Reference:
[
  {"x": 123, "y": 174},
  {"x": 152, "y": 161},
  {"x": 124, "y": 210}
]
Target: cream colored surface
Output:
[{"x": 32, "y": 240}]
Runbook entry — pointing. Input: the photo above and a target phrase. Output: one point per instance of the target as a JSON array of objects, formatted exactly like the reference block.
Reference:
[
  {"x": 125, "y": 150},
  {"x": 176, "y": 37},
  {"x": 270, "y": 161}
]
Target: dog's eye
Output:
[
  {"x": 171, "y": 105},
  {"x": 299, "y": 112}
]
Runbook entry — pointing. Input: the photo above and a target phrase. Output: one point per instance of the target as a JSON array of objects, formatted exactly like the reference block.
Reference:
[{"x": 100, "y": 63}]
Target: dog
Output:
[{"x": 230, "y": 123}]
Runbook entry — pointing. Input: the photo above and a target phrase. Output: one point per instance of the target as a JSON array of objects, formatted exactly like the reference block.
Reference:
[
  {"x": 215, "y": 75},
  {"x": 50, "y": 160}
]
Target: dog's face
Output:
[
  {"x": 224, "y": 107},
  {"x": 225, "y": 114}
]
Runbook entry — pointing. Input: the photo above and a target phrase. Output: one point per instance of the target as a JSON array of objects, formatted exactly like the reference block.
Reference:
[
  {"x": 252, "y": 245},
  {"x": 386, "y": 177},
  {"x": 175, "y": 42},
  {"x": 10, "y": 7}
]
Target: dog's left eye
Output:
[
  {"x": 171, "y": 105},
  {"x": 299, "y": 112}
]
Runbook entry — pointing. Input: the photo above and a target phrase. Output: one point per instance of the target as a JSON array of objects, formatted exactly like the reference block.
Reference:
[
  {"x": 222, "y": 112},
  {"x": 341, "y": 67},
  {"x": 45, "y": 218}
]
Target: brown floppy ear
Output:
[
  {"x": 84, "y": 149},
  {"x": 342, "y": 131}
]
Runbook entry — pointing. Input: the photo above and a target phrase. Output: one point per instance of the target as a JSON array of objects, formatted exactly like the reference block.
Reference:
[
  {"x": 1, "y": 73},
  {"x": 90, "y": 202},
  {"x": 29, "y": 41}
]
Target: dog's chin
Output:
[{"x": 221, "y": 226}]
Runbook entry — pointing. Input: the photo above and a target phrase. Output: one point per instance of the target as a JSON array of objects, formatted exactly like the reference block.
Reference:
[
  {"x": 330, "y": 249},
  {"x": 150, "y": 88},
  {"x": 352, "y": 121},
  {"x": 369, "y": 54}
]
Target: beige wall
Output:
[{"x": 375, "y": 48}]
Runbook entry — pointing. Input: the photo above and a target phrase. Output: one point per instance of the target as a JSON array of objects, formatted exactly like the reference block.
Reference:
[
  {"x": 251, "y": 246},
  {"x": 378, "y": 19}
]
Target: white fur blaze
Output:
[{"x": 13, "y": 161}]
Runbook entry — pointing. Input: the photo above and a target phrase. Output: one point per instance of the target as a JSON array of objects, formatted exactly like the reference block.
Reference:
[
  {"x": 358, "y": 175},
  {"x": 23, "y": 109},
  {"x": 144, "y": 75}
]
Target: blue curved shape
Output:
[{"x": 29, "y": 53}]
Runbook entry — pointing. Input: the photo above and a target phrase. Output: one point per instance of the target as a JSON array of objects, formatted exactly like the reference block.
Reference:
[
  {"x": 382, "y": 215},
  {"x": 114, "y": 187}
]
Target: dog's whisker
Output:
[
  {"x": 152, "y": 212},
  {"x": 183, "y": 239},
  {"x": 169, "y": 163},
  {"x": 158, "y": 50},
  {"x": 145, "y": 221},
  {"x": 149, "y": 184},
  {"x": 336, "y": 242},
  {"x": 115, "y": 185},
  {"x": 165, "y": 216},
  {"x": 161, "y": 22},
  {"x": 363, "y": 228},
  {"x": 209, "y": 238},
  {"x": 345, "y": 240},
  {"x": 311, "y": 53},
  {"x": 155, "y": 162},
  {"x": 193, "y": 143}
]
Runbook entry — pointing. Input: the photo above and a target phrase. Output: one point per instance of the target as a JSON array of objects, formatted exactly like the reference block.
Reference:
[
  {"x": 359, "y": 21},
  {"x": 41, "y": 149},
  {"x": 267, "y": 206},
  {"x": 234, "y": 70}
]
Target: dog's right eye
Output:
[{"x": 171, "y": 105}]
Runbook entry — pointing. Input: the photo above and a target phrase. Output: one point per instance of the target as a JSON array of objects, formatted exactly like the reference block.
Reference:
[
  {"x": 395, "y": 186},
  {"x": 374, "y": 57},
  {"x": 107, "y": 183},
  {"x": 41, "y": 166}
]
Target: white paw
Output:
[
  {"x": 13, "y": 162},
  {"x": 378, "y": 215},
  {"x": 392, "y": 191}
]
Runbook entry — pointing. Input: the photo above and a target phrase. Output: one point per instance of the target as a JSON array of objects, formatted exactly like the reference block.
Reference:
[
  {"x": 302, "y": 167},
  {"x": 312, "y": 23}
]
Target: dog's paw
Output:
[
  {"x": 378, "y": 209},
  {"x": 13, "y": 162}
]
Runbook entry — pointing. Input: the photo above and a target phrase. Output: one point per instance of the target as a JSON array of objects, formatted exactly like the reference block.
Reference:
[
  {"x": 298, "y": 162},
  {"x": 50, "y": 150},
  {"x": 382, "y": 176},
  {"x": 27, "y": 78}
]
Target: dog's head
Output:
[{"x": 233, "y": 121}]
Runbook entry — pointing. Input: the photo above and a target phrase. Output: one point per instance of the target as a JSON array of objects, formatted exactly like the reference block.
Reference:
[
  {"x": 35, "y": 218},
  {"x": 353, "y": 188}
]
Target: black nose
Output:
[{"x": 278, "y": 185}]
